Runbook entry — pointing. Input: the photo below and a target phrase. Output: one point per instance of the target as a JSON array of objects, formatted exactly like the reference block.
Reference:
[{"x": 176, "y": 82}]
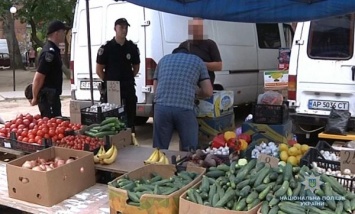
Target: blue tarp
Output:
[{"x": 254, "y": 11}]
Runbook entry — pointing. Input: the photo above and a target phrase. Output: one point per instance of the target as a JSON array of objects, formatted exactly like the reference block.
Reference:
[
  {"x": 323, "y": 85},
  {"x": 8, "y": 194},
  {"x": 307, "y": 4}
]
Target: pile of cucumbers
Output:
[
  {"x": 241, "y": 188},
  {"x": 110, "y": 126},
  {"x": 156, "y": 185}
]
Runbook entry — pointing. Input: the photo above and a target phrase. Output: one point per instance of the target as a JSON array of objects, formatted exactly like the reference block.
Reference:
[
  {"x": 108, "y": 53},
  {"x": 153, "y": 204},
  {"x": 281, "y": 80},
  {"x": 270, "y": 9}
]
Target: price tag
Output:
[
  {"x": 75, "y": 114},
  {"x": 114, "y": 92},
  {"x": 267, "y": 159},
  {"x": 7, "y": 145},
  {"x": 347, "y": 160}
]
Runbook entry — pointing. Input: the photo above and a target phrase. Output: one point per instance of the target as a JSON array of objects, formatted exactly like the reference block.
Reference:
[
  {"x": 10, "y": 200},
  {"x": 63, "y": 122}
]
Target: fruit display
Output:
[
  {"x": 41, "y": 164},
  {"x": 157, "y": 157},
  {"x": 231, "y": 140},
  {"x": 292, "y": 154},
  {"x": 110, "y": 126},
  {"x": 79, "y": 141},
  {"x": 283, "y": 189},
  {"x": 106, "y": 157},
  {"x": 265, "y": 148},
  {"x": 32, "y": 129},
  {"x": 156, "y": 185}
]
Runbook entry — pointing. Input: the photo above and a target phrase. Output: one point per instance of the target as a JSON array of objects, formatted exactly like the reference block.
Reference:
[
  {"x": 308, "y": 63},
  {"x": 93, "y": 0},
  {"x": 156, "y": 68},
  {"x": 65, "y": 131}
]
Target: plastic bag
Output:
[
  {"x": 337, "y": 122},
  {"x": 270, "y": 98}
]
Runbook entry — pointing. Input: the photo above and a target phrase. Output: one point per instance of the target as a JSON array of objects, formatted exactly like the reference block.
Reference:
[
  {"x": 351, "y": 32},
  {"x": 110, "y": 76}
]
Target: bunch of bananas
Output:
[
  {"x": 157, "y": 157},
  {"x": 106, "y": 157}
]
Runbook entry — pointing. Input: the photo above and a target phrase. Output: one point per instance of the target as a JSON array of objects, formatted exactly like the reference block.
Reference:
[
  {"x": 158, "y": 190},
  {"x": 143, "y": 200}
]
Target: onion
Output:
[
  {"x": 33, "y": 163},
  {"x": 52, "y": 165},
  {"x": 60, "y": 163},
  {"x": 41, "y": 160},
  {"x": 37, "y": 168},
  {"x": 48, "y": 168},
  {"x": 69, "y": 160},
  {"x": 43, "y": 167},
  {"x": 56, "y": 159},
  {"x": 27, "y": 165}
]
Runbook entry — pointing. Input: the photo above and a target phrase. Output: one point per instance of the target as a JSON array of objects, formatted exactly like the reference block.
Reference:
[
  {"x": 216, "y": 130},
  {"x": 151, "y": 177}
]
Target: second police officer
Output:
[{"x": 118, "y": 60}]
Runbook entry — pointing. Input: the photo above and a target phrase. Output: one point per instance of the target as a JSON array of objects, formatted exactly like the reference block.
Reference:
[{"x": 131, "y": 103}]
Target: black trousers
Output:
[
  {"x": 129, "y": 100},
  {"x": 50, "y": 107}
]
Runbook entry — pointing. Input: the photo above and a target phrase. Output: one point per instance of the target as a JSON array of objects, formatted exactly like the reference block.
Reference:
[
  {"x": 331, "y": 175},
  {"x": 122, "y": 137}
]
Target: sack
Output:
[{"x": 337, "y": 122}]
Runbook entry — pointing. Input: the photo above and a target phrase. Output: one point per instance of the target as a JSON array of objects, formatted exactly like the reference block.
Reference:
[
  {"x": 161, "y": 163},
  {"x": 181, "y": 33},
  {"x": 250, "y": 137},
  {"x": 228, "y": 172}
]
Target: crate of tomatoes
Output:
[{"x": 29, "y": 133}]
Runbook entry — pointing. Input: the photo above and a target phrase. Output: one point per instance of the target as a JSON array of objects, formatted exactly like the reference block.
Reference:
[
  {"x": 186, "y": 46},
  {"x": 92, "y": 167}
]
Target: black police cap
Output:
[
  {"x": 55, "y": 26},
  {"x": 121, "y": 21}
]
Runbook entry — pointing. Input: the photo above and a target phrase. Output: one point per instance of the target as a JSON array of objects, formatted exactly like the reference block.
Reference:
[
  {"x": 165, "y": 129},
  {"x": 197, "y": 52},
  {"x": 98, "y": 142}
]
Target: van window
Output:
[
  {"x": 331, "y": 38},
  {"x": 95, "y": 29},
  {"x": 288, "y": 33},
  {"x": 268, "y": 36}
]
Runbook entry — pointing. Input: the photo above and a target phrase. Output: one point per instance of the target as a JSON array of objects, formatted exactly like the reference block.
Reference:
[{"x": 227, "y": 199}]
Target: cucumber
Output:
[
  {"x": 133, "y": 196},
  {"x": 319, "y": 192},
  {"x": 104, "y": 133},
  {"x": 245, "y": 191},
  {"x": 232, "y": 180},
  {"x": 90, "y": 133},
  {"x": 109, "y": 120},
  {"x": 273, "y": 210},
  {"x": 336, "y": 186},
  {"x": 243, "y": 184},
  {"x": 261, "y": 175},
  {"x": 223, "y": 167},
  {"x": 288, "y": 172},
  {"x": 274, "y": 202},
  {"x": 197, "y": 196},
  {"x": 265, "y": 207},
  {"x": 156, "y": 190},
  {"x": 347, "y": 206},
  {"x": 263, "y": 194},
  {"x": 292, "y": 208},
  {"x": 107, "y": 127},
  {"x": 129, "y": 186},
  {"x": 137, "y": 204},
  {"x": 229, "y": 195},
  {"x": 215, "y": 173},
  {"x": 245, "y": 170},
  {"x": 329, "y": 192},
  {"x": 232, "y": 169},
  {"x": 261, "y": 187},
  {"x": 204, "y": 195},
  {"x": 340, "y": 207},
  {"x": 169, "y": 190},
  {"x": 279, "y": 179},
  {"x": 251, "y": 197},
  {"x": 297, "y": 190},
  {"x": 212, "y": 192},
  {"x": 205, "y": 185},
  {"x": 352, "y": 203},
  {"x": 273, "y": 176},
  {"x": 259, "y": 166},
  {"x": 190, "y": 193},
  {"x": 253, "y": 204},
  {"x": 242, "y": 204},
  {"x": 282, "y": 191},
  {"x": 215, "y": 200}
]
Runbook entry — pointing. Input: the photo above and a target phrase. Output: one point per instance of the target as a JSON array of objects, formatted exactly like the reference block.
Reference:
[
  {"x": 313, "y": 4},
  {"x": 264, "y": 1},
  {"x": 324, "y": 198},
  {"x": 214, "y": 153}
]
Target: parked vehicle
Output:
[
  {"x": 246, "y": 49},
  {"x": 322, "y": 71},
  {"x": 4, "y": 60}
]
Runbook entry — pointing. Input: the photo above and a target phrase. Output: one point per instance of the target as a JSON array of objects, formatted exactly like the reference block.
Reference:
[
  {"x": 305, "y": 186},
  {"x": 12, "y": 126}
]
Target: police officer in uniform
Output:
[
  {"x": 48, "y": 80},
  {"x": 118, "y": 60}
]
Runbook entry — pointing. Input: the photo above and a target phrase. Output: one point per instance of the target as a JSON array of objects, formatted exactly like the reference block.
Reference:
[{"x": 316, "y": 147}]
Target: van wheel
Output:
[{"x": 140, "y": 121}]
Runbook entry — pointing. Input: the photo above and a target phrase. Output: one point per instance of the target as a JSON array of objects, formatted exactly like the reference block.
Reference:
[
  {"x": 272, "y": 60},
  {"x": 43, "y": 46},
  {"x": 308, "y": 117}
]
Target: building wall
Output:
[{"x": 22, "y": 35}]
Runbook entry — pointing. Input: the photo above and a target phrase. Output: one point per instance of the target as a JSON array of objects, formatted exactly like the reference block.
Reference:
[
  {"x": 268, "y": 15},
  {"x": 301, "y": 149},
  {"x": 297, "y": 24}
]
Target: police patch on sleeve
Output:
[
  {"x": 100, "y": 51},
  {"x": 49, "y": 57},
  {"x": 128, "y": 56}
]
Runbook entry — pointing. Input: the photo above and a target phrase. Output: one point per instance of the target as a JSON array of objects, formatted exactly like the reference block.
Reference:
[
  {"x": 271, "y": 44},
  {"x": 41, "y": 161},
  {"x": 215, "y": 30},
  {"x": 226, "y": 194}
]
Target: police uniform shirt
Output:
[
  {"x": 118, "y": 60},
  {"x": 50, "y": 65}
]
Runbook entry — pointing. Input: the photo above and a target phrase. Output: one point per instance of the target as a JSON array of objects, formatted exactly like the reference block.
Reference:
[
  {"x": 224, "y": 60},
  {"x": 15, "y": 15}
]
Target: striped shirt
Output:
[{"x": 178, "y": 75}]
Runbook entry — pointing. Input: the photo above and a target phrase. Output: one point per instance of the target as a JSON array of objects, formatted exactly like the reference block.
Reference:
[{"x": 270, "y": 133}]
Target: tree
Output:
[
  {"x": 9, "y": 29},
  {"x": 38, "y": 13}
]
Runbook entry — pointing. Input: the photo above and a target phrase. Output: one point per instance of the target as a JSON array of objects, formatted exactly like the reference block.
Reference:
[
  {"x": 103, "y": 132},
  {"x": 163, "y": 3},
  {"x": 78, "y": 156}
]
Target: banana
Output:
[
  {"x": 166, "y": 160},
  {"x": 107, "y": 154},
  {"x": 134, "y": 140},
  {"x": 161, "y": 154},
  {"x": 154, "y": 157},
  {"x": 101, "y": 151},
  {"x": 161, "y": 159},
  {"x": 111, "y": 159}
]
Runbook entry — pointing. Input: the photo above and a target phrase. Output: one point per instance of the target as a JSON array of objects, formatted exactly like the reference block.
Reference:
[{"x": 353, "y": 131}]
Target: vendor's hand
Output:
[{"x": 33, "y": 102}]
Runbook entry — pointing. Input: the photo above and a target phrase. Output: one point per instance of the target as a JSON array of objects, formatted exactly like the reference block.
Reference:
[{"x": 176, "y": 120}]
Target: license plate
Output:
[
  {"x": 86, "y": 84},
  {"x": 327, "y": 105}
]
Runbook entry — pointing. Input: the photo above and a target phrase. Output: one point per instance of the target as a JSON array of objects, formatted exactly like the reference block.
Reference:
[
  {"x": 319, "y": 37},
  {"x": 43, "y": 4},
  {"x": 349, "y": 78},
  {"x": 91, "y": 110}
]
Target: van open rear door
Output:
[{"x": 136, "y": 32}]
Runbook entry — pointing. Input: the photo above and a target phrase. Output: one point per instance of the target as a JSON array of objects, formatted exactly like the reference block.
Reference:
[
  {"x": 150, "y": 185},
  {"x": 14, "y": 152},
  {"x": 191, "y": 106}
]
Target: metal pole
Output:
[
  {"x": 13, "y": 53},
  {"x": 89, "y": 50}
]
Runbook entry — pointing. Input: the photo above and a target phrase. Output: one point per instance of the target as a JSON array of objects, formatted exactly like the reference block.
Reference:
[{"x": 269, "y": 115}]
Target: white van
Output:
[
  {"x": 246, "y": 49},
  {"x": 322, "y": 71}
]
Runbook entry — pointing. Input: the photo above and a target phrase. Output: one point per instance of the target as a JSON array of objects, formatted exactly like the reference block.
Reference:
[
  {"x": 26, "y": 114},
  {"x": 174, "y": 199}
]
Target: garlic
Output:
[{"x": 347, "y": 172}]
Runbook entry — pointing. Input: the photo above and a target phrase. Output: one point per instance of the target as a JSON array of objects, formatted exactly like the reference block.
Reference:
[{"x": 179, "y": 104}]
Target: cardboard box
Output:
[
  {"x": 275, "y": 133},
  {"x": 221, "y": 103},
  {"x": 121, "y": 139},
  {"x": 188, "y": 207},
  {"x": 51, "y": 187},
  {"x": 150, "y": 203},
  {"x": 276, "y": 78},
  {"x": 75, "y": 110},
  {"x": 213, "y": 126}
]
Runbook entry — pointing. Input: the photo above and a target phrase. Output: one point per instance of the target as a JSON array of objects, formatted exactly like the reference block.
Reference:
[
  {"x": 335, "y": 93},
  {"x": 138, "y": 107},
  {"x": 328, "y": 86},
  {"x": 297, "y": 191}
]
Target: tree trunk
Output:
[
  {"x": 36, "y": 42},
  {"x": 66, "y": 51},
  {"x": 9, "y": 29}
]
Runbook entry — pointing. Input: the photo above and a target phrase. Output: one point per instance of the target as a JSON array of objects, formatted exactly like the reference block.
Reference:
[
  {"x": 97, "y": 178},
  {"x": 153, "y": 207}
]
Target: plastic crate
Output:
[
  {"x": 88, "y": 118},
  {"x": 313, "y": 155},
  {"x": 270, "y": 114},
  {"x": 30, "y": 147},
  {"x": 323, "y": 145}
]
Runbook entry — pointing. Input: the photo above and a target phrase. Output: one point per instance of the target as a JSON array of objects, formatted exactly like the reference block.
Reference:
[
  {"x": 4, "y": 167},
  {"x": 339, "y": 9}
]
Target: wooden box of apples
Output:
[{"x": 50, "y": 176}]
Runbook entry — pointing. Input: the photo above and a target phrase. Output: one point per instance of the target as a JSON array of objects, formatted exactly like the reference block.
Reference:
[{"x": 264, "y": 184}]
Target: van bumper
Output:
[{"x": 314, "y": 120}]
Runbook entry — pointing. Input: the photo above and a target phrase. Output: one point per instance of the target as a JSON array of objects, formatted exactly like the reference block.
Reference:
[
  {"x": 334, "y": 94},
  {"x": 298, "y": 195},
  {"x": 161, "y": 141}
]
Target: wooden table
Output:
[
  {"x": 132, "y": 157},
  {"x": 93, "y": 200}
]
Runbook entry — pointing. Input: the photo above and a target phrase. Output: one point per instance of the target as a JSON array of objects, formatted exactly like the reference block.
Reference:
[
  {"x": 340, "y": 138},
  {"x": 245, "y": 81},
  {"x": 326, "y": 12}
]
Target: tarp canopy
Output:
[{"x": 253, "y": 11}]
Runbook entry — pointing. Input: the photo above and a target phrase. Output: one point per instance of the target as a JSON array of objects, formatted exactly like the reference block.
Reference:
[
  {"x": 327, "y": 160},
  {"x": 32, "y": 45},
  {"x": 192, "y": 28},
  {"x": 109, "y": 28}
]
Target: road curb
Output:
[{"x": 5, "y": 99}]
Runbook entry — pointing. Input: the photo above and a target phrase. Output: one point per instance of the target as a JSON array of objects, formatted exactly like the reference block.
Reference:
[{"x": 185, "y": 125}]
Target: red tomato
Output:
[
  {"x": 29, "y": 117},
  {"x": 38, "y": 138},
  {"x": 25, "y": 139},
  {"x": 31, "y": 140},
  {"x": 51, "y": 132},
  {"x": 40, "y": 133},
  {"x": 58, "y": 121},
  {"x": 52, "y": 120},
  {"x": 21, "y": 126},
  {"x": 14, "y": 130},
  {"x": 20, "y": 138},
  {"x": 12, "y": 126},
  {"x": 31, "y": 136},
  {"x": 45, "y": 118},
  {"x": 34, "y": 132},
  {"x": 37, "y": 117},
  {"x": 2, "y": 134},
  {"x": 46, "y": 136},
  {"x": 60, "y": 136},
  {"x": 39, "y": 142},
  {"x": 7, "y": 125},
  {"x": 36, "y": 127},
  {"x": 31, "y": 125},
  {"x": 65, "y": 124},
  {"x": 19, "y": 132},
  {"x": 45, "y": 130},
  {"x": 54, "y": 138},
  {"x": 24, "y": 133},
  {"x": 26, "y": 122},
  {"x": 18, "y": 121}
]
